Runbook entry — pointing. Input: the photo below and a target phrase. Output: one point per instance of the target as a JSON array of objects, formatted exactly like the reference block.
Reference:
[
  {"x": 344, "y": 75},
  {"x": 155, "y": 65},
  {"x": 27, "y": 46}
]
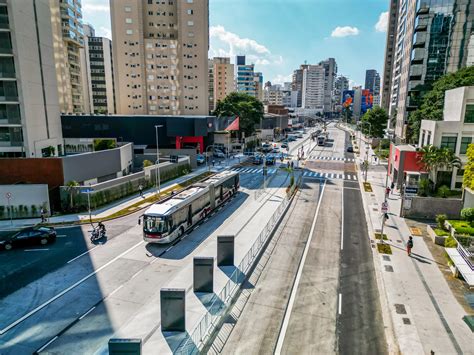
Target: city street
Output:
[{"x": 323, "y": 251}]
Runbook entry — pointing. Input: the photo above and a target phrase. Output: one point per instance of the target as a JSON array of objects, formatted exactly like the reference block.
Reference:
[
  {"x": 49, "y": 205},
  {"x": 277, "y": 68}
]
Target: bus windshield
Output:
[{"x": 152, "y": 224}]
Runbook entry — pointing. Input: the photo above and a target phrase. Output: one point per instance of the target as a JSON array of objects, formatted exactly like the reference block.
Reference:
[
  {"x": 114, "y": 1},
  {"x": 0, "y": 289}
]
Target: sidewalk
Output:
[
  {"x": 422, "y": 310},
  {"x": 102, "y": 212}
]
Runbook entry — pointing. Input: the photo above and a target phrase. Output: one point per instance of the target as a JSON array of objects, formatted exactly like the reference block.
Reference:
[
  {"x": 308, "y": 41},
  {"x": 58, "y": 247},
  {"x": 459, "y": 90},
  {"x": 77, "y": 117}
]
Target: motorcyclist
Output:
[{"x": 101, "y": 228}]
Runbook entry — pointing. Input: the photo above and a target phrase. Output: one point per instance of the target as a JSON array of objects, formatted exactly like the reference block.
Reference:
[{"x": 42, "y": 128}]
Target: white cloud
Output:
[
  {"x": 236, "y": 42},
  {"x": 345, "y": 31},
  {"x": 224, "y": 43},
  {"x": 91, "y": 7},
  {"x": 280, "y": 79},
  {"x": 382, "y": 23},
  {"x": 104, "y": 32}
]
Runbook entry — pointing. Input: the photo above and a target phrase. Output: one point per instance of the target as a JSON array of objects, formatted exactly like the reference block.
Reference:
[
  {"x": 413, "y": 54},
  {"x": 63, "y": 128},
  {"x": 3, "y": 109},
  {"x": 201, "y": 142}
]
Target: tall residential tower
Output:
[{"x": 160, "y": 56}]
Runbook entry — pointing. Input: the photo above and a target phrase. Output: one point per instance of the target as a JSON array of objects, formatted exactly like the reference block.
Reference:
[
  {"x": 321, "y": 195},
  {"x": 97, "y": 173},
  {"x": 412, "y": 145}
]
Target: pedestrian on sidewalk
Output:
[
  {"x": 392, "y": 186},
  {"x": 213, "y": 162},
  {"x": 409, "y": 245},
  {"x": 387, "y": 192},
  {"x": 43, "y": 214},
  {"x": 140, "y": 189}
]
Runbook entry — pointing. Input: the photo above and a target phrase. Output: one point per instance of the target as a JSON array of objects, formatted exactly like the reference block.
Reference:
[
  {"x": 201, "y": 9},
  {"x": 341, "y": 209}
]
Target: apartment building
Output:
[
  {"x": 273, "y": 95},
  {"x": 258, "y": 79},
  {"x": 330, "y": 73},
  {"x": 313, "y": 87},
  {"x": 340, "y": 85},
  {"x": 66, "y": 22},
  {"x": 222, "y": 82},
  {"x": 372, "y": 81},
  {"x": 245, "y": 77},
  {"x": 160, "y": 56},
  {"x": 30, "y": 123},
  {"x": 432, "y": 39},
  {"x": 389, "y": 54}
]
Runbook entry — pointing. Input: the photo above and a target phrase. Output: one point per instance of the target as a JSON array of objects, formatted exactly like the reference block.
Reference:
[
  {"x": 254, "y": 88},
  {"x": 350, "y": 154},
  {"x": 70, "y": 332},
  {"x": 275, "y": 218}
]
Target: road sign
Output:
[
  {"x": 411, "y": 190},
  {"x": 87, "y": 190},
  {"x": 384, "y": 207},
  {"x": 8, "y": 195}
]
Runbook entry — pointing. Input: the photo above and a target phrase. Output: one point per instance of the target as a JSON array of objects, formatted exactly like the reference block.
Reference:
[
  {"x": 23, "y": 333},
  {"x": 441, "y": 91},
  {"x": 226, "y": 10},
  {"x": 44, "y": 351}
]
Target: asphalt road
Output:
[{"x": 323, "y": 299}]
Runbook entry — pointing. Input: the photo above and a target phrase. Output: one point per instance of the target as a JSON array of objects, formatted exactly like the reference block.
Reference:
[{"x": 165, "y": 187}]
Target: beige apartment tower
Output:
[
  {"x": 66, "y": 23},
  {"x": 223, "y": 78},
  {"x": 160, "y": 56}
]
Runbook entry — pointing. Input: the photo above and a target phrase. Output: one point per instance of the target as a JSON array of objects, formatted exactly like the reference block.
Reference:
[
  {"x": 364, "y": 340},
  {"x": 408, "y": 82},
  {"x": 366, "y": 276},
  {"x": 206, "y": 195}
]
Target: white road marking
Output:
[
  {"x": 114, "y": 291},
  {"x": 291, "y": 301},
  {"x": 47, "y": 344},
  {"x": 342, "y": 219},
  {"x": 44, "y": 304},
  {"x": 136, "y": 274},
  {"x": 77, "y": 257},
  {"x": 85, "y": 314},
  {"x": 61, "y": 236},
  {"x": 339, "y": 308},
  {"x": 36, "y": 250}
]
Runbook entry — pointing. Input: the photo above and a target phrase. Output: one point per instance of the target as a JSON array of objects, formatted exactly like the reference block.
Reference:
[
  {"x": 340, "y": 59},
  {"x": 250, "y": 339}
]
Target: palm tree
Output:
[
  {"x": 71, "y": 189},
  {"x": 433, "y": 158}
]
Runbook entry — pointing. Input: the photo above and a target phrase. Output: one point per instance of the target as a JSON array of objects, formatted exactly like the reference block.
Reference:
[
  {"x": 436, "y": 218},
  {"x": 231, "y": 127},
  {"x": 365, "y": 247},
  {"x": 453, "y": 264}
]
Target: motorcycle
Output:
[{"x": 97, "y": 234}]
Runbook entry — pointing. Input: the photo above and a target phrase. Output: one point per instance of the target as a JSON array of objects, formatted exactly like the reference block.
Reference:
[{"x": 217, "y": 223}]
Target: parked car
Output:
[
  {"x": 200, "y": 158},
  {"x": 275, "y": 151},
  {"x": 291, "y": 139},
  {"x": 218, "y": 154},
  {"x": 28, "y": 236},
  {"x": 270, "y": 159},
  {"x": 284, "y": 146},
  {"x": 350, "y": 149},
  {"x": 257, "y": 159}
]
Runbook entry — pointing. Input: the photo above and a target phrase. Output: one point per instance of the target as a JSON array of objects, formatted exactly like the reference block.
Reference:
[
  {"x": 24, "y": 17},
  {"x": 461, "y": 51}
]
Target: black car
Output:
[
  {"x": 29, "y": 236},
  {"x": 350, "y": 149}
]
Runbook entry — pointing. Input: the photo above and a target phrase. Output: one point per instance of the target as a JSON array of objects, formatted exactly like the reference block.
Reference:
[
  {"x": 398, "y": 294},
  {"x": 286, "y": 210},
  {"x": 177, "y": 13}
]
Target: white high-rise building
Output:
[
  {"x": 30, "y": 123},
  {"x": 313, "y": 87}
]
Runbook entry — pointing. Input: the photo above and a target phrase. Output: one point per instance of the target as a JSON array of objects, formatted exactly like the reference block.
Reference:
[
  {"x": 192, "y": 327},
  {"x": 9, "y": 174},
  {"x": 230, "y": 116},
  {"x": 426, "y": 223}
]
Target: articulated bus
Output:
[{"x": 169, "y": 219}]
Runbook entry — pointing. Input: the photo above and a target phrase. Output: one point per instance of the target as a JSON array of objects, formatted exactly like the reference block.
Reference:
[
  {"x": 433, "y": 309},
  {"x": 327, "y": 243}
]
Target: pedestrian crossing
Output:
[
  {"x": 308, "y": 174},
  {"x": 246, "y": 170},
  {"x": 316, "y": 157},
  {"x": 311, "y": 174}
]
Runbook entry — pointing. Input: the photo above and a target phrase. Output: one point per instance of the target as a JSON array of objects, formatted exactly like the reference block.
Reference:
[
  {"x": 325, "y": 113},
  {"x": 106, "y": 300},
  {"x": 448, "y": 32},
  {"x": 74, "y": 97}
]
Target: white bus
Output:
[{"x": 168, "y": 219}]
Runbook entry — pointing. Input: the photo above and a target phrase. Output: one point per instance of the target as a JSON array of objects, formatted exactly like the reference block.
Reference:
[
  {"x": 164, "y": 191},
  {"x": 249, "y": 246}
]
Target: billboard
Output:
[
  {"x": 347, "y": 98},
  {"x": 367, "y": 101}
]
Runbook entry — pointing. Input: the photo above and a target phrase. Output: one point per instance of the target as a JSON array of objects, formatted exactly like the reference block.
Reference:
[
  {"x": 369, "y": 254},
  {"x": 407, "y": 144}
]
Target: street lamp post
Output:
[{"x": 157, "y": 175}]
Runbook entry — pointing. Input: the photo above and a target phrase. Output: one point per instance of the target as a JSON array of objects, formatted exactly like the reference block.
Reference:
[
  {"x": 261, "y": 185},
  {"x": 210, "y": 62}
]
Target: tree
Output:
[
  {"x": 104, "y": 144},
  {"x": 147, "y": 163},
  {"x": 71, "y": 188},
  {"x": 432, "y": 102},
  {"x": 468, "y": 178},
  {"x": 433, "y": 159},
  {"x": 246, "y": 107},
  {"x": 377, "y": 117}
]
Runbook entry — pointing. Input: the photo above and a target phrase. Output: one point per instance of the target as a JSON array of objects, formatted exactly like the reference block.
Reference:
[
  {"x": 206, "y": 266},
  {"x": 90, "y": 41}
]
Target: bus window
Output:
[{"x": 152, "y": 224}]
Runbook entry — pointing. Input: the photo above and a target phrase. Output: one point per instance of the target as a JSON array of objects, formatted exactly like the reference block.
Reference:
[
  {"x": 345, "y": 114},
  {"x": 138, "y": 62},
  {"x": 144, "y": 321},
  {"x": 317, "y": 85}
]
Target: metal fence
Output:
[{"x": 221, "y": 302}]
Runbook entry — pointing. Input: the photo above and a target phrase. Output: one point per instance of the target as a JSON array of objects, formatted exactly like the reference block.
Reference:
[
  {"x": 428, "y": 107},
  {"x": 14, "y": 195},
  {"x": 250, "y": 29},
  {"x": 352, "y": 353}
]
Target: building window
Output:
[
  {"x": 190, "y": 1},
  {"x": 190, "y": 34},
  {"x": 128, "y": 9},
  {"x": 190, "y": 23},
  {"x": 190, "y": 12},
  {"x": 449, "y": 142},
  {"x": 469, "y": 116},
  {"x": 129, "y": 32},
  {"x": 465, "y": 141},
  {"x": 128, "y": 20}
]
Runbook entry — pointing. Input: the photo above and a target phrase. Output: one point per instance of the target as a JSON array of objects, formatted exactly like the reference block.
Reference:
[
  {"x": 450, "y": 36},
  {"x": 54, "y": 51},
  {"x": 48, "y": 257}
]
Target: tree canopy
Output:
[
  {"x": 433, "y": 159},
  {"x": 432, "y": 103},
  {"x": 377, "y": 117},
  {"x": 468, "y": 178},
  {"x": 248, "y": 108}
]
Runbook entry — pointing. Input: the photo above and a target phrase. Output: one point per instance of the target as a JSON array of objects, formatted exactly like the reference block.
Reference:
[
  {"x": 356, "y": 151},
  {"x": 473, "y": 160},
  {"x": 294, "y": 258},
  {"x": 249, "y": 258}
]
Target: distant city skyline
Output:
[{"x": 279, "y": 35}]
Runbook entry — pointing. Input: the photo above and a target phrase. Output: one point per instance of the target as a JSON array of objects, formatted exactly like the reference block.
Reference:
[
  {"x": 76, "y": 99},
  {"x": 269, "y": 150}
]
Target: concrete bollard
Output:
[
  {"x": 225, "y": 250},
  {"x": 173, "y": 309},
  {"x": 125, "y": 346},
  {"x": 203, "y": 274}
]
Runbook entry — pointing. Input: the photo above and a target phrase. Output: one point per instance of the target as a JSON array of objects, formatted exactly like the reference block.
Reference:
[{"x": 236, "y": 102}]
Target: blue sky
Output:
[{"x": 279, "y": 35}]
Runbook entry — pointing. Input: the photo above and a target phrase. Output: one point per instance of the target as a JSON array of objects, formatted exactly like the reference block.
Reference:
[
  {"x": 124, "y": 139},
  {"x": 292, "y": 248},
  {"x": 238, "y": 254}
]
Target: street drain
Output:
[
  {"x": 400, "y": 308},
  {"x": 388, "y": 268},
  {"x": 406, "y": 321},
  {"x": 386, "y": 257}
]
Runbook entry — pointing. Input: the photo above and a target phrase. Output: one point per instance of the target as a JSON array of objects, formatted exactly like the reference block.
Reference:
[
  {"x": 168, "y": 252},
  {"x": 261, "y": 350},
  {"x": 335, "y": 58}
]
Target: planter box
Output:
[{"x": 437, "y": 239}]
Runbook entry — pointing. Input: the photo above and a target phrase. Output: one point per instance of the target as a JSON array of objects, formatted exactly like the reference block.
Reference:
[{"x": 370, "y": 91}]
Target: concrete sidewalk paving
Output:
[{"x": 425, "y": 314}]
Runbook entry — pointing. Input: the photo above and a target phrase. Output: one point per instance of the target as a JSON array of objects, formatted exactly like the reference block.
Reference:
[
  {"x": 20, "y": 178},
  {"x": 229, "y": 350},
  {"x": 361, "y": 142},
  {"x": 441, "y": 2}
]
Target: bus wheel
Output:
[{"x": 181, "y": 232}]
